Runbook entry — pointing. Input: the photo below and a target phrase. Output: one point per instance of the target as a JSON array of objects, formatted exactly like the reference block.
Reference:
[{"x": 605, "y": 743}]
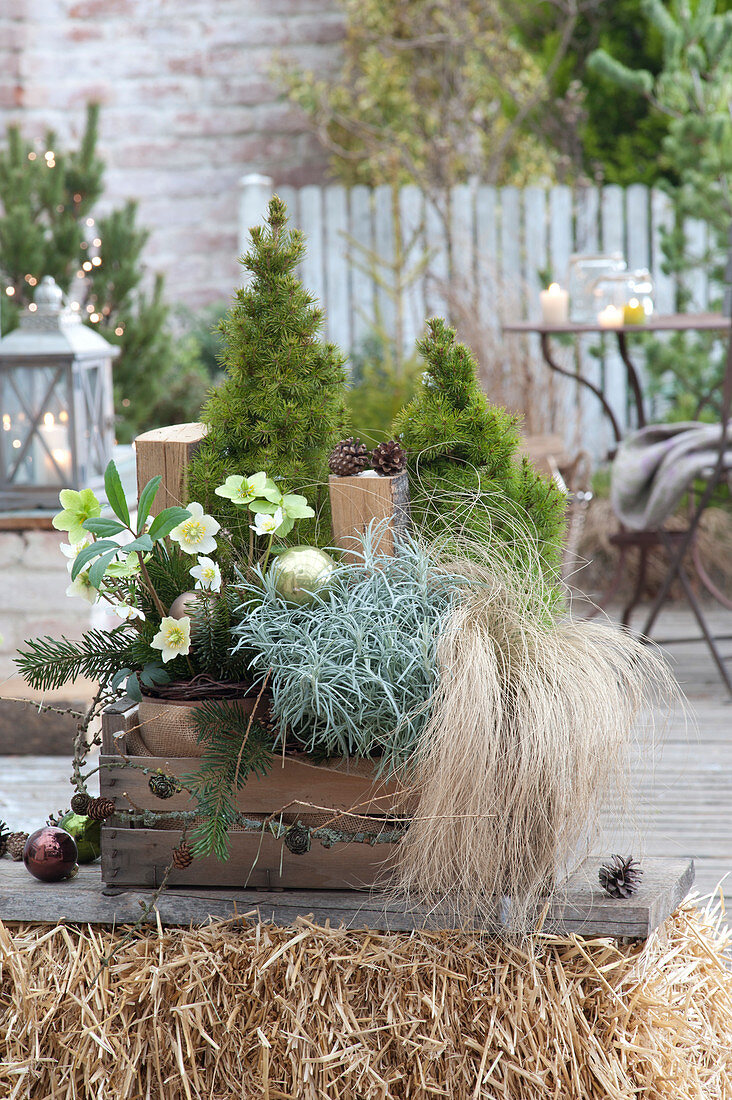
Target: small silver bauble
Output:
[
  {"x": 183, "y": 605},
  {"x": 300, "y": 572}
]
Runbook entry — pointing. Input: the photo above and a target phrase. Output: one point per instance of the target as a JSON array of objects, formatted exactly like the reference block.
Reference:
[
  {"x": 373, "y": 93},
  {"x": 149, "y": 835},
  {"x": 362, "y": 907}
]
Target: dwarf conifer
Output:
[
  {"x": 465, "y": 472},
  {"x": 281, "y": 406}
]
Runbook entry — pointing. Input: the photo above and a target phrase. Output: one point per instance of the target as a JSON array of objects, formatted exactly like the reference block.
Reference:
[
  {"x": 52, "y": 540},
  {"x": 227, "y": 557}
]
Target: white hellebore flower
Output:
[
  {"x": 83, "y": 587},
  {"x": 266, "y": 524},
  {"x": 195, "y": 535},
  {"x": 207, "y": 574},
  {"x": 70, "y": 550},
  {"x": 174, "y": 637},
  {"x": 127, "y": 611}
]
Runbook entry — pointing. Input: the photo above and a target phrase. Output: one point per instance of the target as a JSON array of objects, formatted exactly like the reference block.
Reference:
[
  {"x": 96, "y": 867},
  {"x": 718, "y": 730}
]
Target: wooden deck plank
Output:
[{"x": 580, "y": 907}]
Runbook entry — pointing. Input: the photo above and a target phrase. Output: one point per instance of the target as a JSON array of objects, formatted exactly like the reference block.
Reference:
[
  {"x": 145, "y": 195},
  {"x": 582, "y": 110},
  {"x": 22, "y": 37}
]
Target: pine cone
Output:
[
  {"x": 4, "y": 834},
  {"x": 389, "y": 458},
  {"x": 100, "y": 808},
  {"x": 297, "y": 839},
  {"x": 268, "y": 722},
  {"x": 80, "y": 803},
  {"x": 350, "y": 456},
  {"x": 620, "y": 878},
  {"x": 182, "y": 856},
  {"x": 16, "y": 845},
  {"x": 163, "y": 786}
]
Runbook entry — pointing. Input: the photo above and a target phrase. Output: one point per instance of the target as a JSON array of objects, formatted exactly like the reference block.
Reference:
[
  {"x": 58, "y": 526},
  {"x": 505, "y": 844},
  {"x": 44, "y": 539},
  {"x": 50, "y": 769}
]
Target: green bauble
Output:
[
  {"x": 300, "y": 572},
  {"x": 86, "y": 832}
]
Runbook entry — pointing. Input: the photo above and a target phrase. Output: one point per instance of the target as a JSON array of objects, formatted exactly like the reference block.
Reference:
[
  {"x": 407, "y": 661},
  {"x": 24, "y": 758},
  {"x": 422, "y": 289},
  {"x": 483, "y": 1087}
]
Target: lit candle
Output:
[
  {"x": 554, "y": 305},
  {"x": 633, "y": 312},
  {"x": 56, "y": 449},
  {"x": 610, "y": 317}
]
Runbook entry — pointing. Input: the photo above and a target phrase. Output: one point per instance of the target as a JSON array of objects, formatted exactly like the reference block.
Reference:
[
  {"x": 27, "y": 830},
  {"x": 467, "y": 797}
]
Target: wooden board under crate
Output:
[{"x": 135, "y": 855}]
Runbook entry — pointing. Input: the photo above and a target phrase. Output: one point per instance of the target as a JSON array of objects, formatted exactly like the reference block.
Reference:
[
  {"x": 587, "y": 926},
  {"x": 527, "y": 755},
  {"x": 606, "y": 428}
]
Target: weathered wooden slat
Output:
[
  {"x": 337, "y": 275},
  {"x": 487, "y": 249},
  {"x": 694, "y": 278},
  {"x": 382, "y": 263},
  {"x": 438, "y": 272},
  {"x": 638, "y": 237},
  {"x": 312, "y": 268},
  {"x": 293, "y": 785},
  {"x": 139, "y": 857},
  {"x": 363, "y": 288},
  {"x": 582, "y": 908},
  {"x": 411, "y": 207},
  {"x": 512, "y": 303}
]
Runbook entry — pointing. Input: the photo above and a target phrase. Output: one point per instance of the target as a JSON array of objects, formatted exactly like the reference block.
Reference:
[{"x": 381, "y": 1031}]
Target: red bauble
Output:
[{"x": 50, "y": 854}]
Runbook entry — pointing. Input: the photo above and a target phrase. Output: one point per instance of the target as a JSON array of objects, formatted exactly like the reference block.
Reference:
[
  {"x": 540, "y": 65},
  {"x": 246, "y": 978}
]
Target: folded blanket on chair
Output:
[{"x": 654, "y": 467}]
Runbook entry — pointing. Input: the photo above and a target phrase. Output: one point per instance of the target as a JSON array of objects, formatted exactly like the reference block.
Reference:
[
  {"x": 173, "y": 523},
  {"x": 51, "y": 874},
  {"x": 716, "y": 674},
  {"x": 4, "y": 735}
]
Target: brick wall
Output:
[
  {"x": 33, "y": 582},
  {"x": 188, "y": 108}
]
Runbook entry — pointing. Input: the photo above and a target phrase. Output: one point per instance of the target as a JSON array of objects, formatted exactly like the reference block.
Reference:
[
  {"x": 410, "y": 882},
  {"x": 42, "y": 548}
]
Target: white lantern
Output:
[{"x": 56, "y": 406}]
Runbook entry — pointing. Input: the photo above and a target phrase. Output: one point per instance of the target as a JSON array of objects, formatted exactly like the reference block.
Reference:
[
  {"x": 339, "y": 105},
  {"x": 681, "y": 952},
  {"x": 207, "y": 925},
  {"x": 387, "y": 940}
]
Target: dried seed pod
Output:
[
  {"x": 80, "y": 803},
  {"x": 389, "y": 458},
  {"x": 297, "y": 839},
  {"x": 163, "y": 786},
  {"x": 182, "y": 856},
  {"x": 620, "y": 878},
  {"x": 348, "y": 457},
  {"x": 100, "y": 808}
]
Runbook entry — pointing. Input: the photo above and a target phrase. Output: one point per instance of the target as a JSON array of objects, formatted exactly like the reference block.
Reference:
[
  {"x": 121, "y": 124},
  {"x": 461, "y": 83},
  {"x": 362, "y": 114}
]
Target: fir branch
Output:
[
  {"x": 236, "y": 746},
  {"x": 46, "y": 663}
]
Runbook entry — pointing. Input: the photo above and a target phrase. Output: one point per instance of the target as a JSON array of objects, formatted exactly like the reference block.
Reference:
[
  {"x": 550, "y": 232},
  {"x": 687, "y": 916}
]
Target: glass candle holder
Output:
[
  {"x": 642, "y": 289},
  {"x": 585, "y": 269}
]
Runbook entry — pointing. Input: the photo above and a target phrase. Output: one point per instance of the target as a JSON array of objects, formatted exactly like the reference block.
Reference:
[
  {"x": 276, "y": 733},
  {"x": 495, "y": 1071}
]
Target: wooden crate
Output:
[{"x": 134, "y": 855}]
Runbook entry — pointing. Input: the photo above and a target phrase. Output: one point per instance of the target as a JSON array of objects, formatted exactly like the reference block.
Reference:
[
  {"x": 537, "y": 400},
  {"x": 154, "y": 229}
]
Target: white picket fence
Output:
[{"x": 493, "y": 244}]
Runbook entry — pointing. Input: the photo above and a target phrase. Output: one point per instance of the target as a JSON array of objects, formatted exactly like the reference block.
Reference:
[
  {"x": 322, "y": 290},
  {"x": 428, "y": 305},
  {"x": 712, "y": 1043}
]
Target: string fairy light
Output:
[
  {"x": 32, "y": 307},
  {"x": 10, "y": 291}
]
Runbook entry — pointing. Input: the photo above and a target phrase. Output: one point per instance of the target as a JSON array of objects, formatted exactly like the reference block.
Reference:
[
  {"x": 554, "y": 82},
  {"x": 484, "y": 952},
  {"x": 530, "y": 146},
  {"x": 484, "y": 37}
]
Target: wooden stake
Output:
[
  {"x": 356, "y": 501},
  {"x": 167, "y": 451}
]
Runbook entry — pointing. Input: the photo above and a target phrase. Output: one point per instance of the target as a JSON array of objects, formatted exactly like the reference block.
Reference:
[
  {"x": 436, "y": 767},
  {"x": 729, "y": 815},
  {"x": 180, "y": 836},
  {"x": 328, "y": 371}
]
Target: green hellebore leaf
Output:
[
  {"x": 88, "y": 553},
  {"x": 147, "y": 496},
  {"x": 166, "y": 520},
  {"x": 103, "y": 526},
  {"x": 116, "y": 494}
]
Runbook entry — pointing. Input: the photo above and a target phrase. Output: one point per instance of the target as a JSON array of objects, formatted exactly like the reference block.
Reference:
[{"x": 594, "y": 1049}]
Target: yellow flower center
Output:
[
  {"x": 174, "y": 637},
  {"x": 194, "y": 531},
  {"x": 209, "y": 573}
]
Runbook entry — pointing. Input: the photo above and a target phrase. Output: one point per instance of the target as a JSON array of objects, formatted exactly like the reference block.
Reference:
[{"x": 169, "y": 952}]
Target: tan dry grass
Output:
[
  {"x": 305, "y": 1013},
  {"x": 528, "y": 733}
]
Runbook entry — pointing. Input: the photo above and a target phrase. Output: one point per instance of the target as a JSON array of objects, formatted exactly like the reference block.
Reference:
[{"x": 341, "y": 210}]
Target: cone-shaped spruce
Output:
[
  {"x": 465, "y": 472},
  {"x": 281, "y": 407}
]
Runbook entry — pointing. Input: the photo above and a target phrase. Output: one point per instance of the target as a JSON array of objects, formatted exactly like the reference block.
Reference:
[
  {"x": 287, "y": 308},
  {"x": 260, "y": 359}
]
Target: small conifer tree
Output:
[
  {"x": 465, "y": 474},
  {"x": 281, "y": 407},
  {"x": 47, "y": 227}
]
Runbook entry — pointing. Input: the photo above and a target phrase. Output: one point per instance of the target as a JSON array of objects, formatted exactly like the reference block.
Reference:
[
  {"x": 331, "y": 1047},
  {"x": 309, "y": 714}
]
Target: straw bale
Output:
[{"x": 239, "y": 1009}]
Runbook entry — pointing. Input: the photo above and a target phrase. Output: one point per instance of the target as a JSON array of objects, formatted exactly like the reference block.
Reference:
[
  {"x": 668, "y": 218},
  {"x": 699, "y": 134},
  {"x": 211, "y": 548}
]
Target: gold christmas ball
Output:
[
  {"x": 183, "y": 605},
  {"x": 300, "y": 572}
]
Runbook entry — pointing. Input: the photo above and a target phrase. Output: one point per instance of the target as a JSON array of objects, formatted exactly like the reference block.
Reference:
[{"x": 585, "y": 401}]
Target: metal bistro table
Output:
[
  {"x": 673, "y": 322},
  {"x": 642, "y": 541}
]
